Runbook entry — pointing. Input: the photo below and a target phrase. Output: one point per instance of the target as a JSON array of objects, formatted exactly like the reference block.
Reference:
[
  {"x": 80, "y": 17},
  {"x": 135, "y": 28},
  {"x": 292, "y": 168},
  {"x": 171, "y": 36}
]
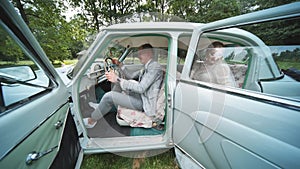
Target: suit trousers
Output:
[{"x": 115, "y": 98}]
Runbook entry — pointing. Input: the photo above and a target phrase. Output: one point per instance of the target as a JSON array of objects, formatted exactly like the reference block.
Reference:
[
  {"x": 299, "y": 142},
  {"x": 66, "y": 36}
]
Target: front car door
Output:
[
  {"x": 121, "y": 42},
  {"x": 36, "y": 126},
  {"x": 90, "y": 84},
  {"x": 246, "y": 113}
]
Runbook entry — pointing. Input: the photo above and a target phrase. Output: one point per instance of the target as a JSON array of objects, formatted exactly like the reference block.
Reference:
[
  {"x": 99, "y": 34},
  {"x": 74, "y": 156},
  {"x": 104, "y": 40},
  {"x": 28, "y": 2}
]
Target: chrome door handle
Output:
[
  {"x": 34, "y": 156},
  {"x": 169, "y": 99}
]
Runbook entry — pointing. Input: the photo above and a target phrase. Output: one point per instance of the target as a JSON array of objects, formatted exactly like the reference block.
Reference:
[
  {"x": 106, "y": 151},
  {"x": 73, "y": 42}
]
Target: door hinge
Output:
[{"x": 58, "y": 124}]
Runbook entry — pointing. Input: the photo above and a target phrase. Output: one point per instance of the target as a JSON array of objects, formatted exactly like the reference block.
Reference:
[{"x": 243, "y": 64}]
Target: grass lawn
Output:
[
  {"x": 112, "y": 161},
  {"x": 286, "y": 65}
]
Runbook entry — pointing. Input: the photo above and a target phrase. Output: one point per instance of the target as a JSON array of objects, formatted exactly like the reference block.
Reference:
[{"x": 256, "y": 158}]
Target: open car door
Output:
[
  {"x": 36, "y": 125},
  {"x": 254, "y": 122}
]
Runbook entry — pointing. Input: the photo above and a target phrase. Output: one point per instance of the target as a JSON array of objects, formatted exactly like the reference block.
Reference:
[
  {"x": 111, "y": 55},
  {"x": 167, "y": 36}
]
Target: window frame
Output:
[{"x": 20, "y": 40}]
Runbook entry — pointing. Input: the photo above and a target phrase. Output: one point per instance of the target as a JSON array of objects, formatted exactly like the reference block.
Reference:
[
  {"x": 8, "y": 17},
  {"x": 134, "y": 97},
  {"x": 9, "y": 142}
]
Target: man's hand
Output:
[
  {"x": 116, "y": 62},
  {"x": 111, "y": 76}
]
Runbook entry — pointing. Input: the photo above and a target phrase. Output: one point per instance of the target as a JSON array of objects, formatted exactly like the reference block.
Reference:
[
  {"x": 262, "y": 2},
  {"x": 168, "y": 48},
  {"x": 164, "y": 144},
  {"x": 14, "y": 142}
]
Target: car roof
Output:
[{"x": 188, "y": 26}]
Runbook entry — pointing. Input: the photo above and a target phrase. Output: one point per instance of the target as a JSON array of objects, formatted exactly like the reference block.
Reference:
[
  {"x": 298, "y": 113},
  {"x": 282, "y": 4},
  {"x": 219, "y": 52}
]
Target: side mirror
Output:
[{"x": 20, "y": 73}]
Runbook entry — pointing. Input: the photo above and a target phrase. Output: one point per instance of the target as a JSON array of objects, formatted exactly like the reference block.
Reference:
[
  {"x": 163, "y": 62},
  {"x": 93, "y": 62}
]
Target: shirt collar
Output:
[{"x": 146, "y": 65}]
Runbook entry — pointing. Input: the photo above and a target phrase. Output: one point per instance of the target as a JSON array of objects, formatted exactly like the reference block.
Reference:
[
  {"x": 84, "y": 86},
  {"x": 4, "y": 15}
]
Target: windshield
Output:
[{"x": 83, "y": 55}]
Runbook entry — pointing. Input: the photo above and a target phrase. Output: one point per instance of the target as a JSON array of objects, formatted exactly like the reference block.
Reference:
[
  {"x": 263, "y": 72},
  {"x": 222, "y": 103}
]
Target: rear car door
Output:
[
  {"x": 253, "y": 122},
  {"x": 36, "y": 126}
]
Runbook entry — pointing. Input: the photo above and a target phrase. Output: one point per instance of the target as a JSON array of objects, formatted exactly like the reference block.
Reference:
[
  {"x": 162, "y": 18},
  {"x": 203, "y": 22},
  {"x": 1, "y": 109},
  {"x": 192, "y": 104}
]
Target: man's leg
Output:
[{"x": 116, "y": 98}]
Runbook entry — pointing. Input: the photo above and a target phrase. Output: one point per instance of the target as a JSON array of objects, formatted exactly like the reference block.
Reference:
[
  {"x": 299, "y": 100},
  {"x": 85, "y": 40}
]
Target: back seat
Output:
[{"x": 239, "y": 72}]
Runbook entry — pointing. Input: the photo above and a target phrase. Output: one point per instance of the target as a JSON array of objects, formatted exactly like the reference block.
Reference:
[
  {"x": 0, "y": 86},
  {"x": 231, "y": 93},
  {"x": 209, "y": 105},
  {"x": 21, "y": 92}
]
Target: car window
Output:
[
  {"x": 21, "y": 79},
  {"x": 262, "y": 57},
  {"x": 131, "y": 57},
  {"x": 124, "y": 48},
  {"x": 218, "y": 60},
  {"x": 160, "y": 45}
]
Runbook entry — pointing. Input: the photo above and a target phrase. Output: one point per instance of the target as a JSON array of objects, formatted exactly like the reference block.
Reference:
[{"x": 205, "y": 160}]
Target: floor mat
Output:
[{"x": 107, "y": 126}]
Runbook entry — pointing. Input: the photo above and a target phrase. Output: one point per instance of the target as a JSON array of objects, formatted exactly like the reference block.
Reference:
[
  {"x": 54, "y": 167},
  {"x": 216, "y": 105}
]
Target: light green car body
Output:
[{"x": 208, "y": 125}]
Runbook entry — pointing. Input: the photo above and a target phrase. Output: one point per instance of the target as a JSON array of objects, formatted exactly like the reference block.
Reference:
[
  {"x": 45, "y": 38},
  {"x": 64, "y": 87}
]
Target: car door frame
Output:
[{"x": 160, "y": 141}]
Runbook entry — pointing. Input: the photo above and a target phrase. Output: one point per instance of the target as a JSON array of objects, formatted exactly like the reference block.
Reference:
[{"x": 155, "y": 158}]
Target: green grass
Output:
[
  {"x": 66, "y": 62},
  {"x": 112, "y": 161},
  {"x": 286, "y": 65}
]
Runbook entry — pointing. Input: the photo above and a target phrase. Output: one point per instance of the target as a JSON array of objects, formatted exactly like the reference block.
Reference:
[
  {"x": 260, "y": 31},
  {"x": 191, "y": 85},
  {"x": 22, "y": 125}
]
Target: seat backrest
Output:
[
  {"x": 160, "y": 105},
  {"x": 239, "y": 73}
]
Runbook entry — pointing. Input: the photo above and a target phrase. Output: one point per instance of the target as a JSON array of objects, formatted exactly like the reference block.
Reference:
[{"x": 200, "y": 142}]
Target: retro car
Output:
[{"x": 251, "y": 122}]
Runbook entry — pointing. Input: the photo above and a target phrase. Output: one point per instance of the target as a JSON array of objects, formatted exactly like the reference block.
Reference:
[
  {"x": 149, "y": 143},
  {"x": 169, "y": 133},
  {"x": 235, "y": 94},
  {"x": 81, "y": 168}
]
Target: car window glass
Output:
[
  {"x": 252, "y": 57},
  {"x": 159, "y": 43},
  {"x": 20, "y": 78},
  {"x": 124, "y": 49},
  {"x": 279, "y": 68},
  {"x": 221, "y": 62}
]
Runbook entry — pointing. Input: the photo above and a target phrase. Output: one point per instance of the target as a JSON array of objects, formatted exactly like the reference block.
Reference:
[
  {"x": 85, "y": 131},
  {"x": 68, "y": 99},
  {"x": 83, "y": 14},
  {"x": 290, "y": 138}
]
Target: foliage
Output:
[
  {"x": 63, "y": 39},
  {"x": 58, "y": 38},
  {"x": 273, "y": 33},
  {"x": 13, "y": 55},
  {"x": 99, "y": 13},
  {"x": 263, "y": 4},
  {"x": 204, "y": 11},
  {"x": 288, "y": 56}
]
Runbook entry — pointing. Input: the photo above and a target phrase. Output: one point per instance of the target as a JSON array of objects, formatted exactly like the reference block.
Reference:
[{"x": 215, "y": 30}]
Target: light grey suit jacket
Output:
[{"x": 148, "y": 86}]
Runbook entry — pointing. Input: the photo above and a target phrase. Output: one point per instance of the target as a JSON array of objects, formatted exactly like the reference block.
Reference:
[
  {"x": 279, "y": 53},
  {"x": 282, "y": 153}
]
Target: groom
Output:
[{"x": 141, "y": 95}]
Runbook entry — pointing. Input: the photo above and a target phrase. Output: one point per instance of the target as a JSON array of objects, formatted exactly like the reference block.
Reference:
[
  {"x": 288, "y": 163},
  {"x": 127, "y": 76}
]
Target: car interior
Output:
[
  {"x": 94, "y": 84},
  {"x": 238, "y": 53}
]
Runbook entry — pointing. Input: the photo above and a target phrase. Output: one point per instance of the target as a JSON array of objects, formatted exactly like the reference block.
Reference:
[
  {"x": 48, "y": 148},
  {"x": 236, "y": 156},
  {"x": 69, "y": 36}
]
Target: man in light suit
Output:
[{"x": 140, "y": 95}]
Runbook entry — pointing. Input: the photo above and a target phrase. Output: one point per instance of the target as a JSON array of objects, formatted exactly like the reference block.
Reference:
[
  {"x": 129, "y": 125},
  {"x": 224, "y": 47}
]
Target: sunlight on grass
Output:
[
  {"x": 112, "y": 161},
  {"x": 286, "y": 65},
  {"x": 66, "y": 62}
]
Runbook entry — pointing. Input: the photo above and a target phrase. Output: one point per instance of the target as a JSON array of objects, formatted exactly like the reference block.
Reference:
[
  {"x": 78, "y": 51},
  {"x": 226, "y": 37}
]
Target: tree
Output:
[
  {"x": 204, "y": 11},
  {"x": 99, "y": 13},
  {"x": 62, "y": 40},
  {"x": 278, "y": 32},
  {"x": 49, "y": 26},
  {"x": 263, "y": 4},
  {"x": 184, "y": 9},
  {"x": 79, "y": 35},
  {"x": 90, "y": 14},
  {"x": 14, "y": 54},
  {"x": 221, "y": 9}
]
